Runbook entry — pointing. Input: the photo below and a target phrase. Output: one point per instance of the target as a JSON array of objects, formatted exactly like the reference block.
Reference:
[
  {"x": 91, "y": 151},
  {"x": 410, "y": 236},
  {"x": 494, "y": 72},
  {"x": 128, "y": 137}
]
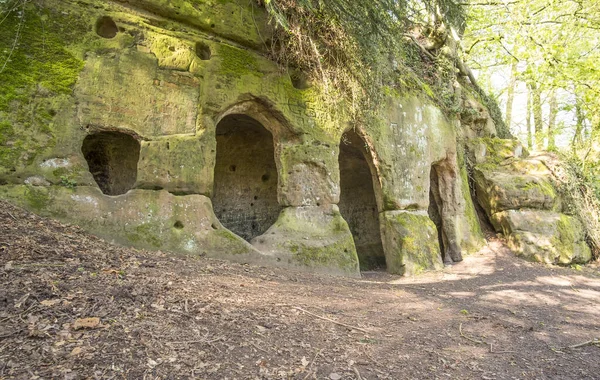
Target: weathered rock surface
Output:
[
  {"x": 544, "y": 236},
  {"x": 411, "y": 241},
  {"x": 505, "y": 190},
  {"x": 313, "y": 237},
  {"x": 148, "y": 219},
  {"x": 519, "y": 199},
  {"x": 177, "y": 164}
]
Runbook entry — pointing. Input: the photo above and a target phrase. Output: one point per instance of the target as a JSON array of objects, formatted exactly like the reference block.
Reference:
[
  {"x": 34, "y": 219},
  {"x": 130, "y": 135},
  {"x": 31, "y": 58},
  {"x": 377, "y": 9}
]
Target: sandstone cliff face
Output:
[{"x": 180, "y": 135}]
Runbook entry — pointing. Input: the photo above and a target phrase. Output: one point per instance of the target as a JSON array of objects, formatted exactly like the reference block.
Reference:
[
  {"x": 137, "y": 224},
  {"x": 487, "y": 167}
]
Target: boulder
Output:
[
  {"x": 505, "y": 190},
  {"x": 544, "y": 236}
]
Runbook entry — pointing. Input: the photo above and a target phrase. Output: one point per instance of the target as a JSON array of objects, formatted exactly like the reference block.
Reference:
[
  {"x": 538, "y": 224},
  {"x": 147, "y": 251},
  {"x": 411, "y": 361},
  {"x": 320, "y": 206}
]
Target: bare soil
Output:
[{"x": 154, "y": 315}]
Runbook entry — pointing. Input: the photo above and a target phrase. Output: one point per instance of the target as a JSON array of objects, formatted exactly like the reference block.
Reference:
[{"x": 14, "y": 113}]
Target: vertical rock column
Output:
[
  {"x": 310, "y": 232},
  {"x": 416, "y": 137}
]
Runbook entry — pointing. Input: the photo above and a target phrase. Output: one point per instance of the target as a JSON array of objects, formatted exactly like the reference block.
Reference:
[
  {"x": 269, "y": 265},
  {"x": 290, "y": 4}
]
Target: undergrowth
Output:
[
  {"x": 582, "y": 194},
  {"x": 369, "y": 49}
]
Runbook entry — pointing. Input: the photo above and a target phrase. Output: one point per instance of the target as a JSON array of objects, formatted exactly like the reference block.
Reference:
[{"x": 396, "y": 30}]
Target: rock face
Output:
[
  {"x": 518, "y": 197},
  {"x": 164, "y": 126}
]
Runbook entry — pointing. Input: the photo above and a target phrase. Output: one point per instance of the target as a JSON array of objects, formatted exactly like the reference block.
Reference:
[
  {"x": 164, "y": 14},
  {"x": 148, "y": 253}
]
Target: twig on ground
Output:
[
  {"x": 358, "y": 376},
  {"x": 10, "y": 334},
  {"x": 593, "y": 342},
  {"x": 311, "y": 364},
  {"x": 491, "y": 346},
  {"x": 331, "y": 320},
  {"x": 198, "y": 341},
  {"x": 260, "y": 349},
  {"x": 499, "y": 352},
  {"x": 371, "y": 358},
  {"x": 469, "y": 338}
]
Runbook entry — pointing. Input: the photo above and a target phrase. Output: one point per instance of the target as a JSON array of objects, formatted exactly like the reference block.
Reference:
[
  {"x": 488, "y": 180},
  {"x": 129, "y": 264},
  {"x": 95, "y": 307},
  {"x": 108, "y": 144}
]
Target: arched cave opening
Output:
[
  {"x": 358, "y": 204},
  {"x": 106, "y": 27},
  {"x": 245, "y": 184},
  {"x": 435, "y": 211},
  {"x": 112, "y": 158}
]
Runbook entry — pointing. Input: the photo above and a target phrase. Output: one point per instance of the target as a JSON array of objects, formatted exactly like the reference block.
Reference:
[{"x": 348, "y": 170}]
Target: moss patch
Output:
[
  {"x": 35, "y": 67},
  {"x": 338, "y": 255},
  {"x": 144, "y": 234},
  {"x": 236, "y": 62},
  {"x": 410, "y": 242},
  {"x": 37, "y": 198}
]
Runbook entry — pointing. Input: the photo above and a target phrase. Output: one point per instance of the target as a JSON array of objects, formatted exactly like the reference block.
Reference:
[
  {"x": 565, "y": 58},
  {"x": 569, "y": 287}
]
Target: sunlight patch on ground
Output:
[
  {"x": 462, "y": 294},
  {"x": 554, "y": 280},
  {"x": 517, "y": 297}
]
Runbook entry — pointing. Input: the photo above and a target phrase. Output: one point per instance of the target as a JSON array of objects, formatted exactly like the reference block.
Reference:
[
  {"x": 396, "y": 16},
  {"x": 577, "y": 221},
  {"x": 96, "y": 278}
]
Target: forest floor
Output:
[{"x": 73, "y": 306}]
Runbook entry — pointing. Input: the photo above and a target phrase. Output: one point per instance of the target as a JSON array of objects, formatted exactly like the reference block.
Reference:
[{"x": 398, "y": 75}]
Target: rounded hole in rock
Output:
[
  {"x": 265, "y": 177},
  {"x": 358, "y": 202},
  {"x": 112, "y": 158},
  {"x": 299, "y": 80},
  {"x": 178, "y": 225},
  {"x": 213, "y": 226},
  {"x": 203, "y": 51},
  {"x": 106, "y": 27},
  {"x": 244, "y": 146}
]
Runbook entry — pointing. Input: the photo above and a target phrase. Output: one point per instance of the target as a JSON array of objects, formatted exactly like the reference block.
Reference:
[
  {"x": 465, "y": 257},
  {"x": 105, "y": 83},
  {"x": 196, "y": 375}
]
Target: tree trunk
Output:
[
  {"x": 511, "y": 93},
  {"x": 537, "y": 115},
  {"x": 528, "y": 119},
  {"x": 552, "y": 121},
  {"x": 578, "y": 125}
]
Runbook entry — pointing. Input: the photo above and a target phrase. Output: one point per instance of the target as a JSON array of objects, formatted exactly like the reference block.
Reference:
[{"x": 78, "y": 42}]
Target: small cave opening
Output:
[
  {"x": 203, "y": 51},
  {"x": 112, "y": 159},
  {"x": 106, "y": 27},
  {"x": 299, "y": 80},
  {"x": 245, "y": 184},
  {"x": 358, "y": 204},
  {"x": 435, "y": 212}
]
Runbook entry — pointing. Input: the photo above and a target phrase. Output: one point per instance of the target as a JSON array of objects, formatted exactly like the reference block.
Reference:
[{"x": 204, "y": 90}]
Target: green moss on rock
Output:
[
  {"x": 410, "y": 242},
  {"x": 37, "y": 70},
  {"x": 37, "y": 198},
  {"x": 236, "y": 62},
  {"x": 145, "y": 235}
]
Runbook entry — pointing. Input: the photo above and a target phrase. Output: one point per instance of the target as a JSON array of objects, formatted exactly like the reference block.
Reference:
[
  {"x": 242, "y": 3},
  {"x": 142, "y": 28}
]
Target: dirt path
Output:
[{"x": 492, "y": 316}]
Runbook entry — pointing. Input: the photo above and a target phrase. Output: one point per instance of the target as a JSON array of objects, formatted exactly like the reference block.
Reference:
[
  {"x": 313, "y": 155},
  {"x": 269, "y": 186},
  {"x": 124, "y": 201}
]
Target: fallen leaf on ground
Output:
[
  {"x": 50, "y": 302},
  {"x": 86, "y": 323}
]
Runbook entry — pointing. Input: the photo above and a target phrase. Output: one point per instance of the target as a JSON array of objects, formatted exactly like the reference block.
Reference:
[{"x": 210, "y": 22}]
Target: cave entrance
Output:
[
  {"x": 245, "y": 185},
  {"x": 435, "y": 211},
  {"x": 112, "y": 158},
  {"x": 358, "y": 204}
]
